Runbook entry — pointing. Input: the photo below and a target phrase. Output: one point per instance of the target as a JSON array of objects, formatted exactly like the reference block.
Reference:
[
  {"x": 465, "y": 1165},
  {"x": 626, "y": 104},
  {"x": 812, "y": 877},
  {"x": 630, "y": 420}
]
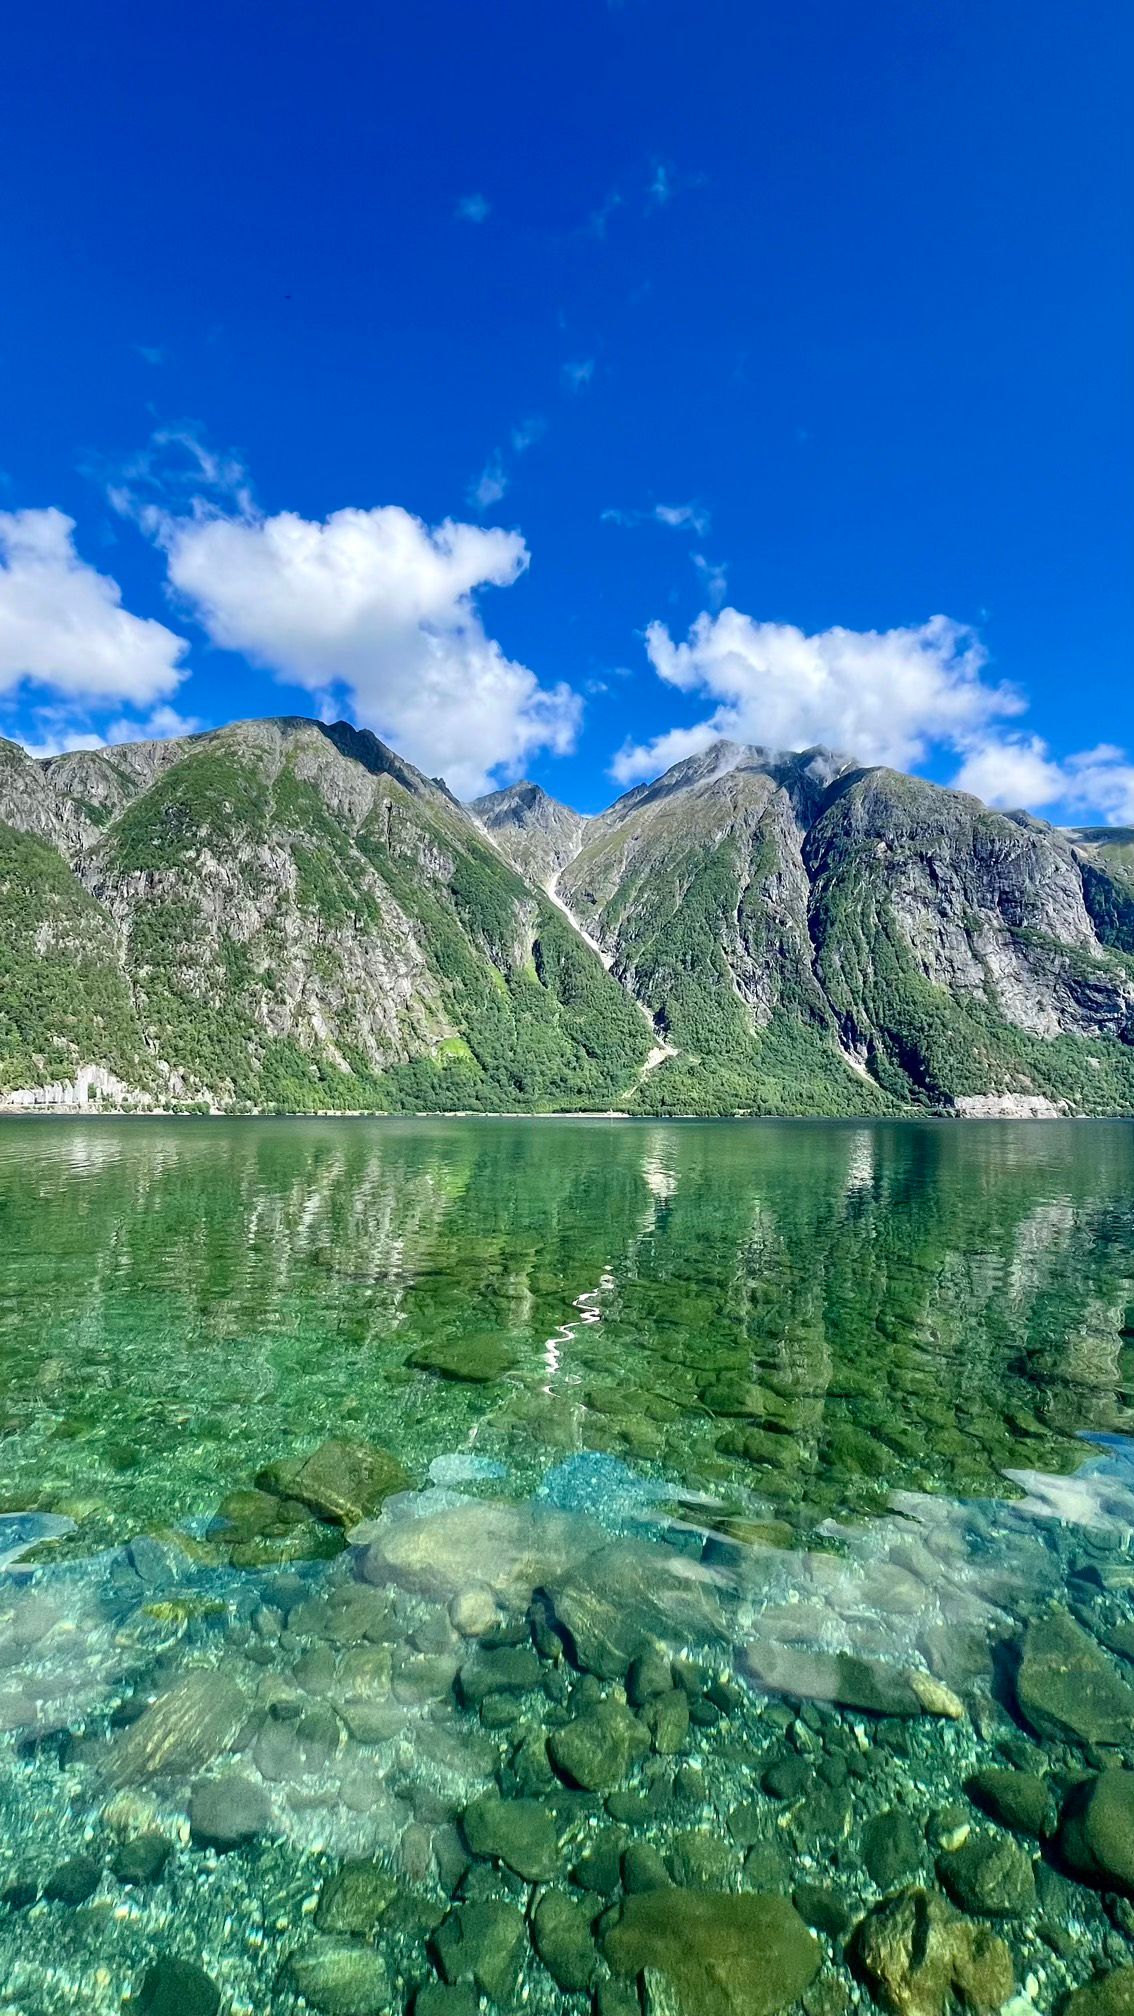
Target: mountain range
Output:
[{"x": 285, "y": 915}]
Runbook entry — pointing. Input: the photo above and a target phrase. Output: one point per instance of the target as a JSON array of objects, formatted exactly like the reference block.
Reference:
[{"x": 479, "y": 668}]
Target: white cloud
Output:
[
  {"x": 714, "y": 576},
  {"x": 579, "y": 373},
  {"x": 885, "y": 696},
  {"x": 1016, "y": 770},
  {"x": 678, "y": 517},
  {"x": 472, "y": 209},
  {"x": 62, "y": 624},
  {"x": 661, "y": 188},
  {"x": 528, "y": 433},
  {"x": 56, "y": 731},
  {"x": 379, "y": 604},
  {"x": 490, "y": 485}
]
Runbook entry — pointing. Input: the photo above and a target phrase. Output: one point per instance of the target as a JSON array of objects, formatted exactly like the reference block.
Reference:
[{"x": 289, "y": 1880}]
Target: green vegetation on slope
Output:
[{"x": 63, "y": 998}]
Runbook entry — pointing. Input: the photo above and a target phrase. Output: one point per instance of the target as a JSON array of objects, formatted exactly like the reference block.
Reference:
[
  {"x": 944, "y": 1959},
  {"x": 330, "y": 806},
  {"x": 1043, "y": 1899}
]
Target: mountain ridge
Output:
[{"x": 286, "y": 915}]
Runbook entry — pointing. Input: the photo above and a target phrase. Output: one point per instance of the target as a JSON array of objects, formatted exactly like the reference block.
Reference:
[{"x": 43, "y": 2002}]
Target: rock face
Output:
[{"x": 286, "y": 914}]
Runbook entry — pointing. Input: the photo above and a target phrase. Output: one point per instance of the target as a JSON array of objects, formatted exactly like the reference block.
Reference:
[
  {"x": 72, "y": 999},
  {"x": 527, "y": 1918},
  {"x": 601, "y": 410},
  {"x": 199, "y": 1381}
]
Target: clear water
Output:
[{"x": 859, "y": 1389}]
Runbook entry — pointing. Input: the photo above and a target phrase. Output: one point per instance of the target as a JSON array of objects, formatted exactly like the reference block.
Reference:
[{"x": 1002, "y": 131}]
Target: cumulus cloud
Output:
[
  {"x": 382, "y": 607},
  {"x": 886, "y": 696},
  {"x": 63, "y": 626},
  {"x": 58, "y": 730},
  {"x": 1019, "y": 770}
]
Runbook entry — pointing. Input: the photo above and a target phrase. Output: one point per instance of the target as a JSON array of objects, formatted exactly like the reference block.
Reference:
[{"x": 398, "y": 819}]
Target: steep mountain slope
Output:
[
  {"x": 286, "y": 915},
  {"x": 536, "y": 832},
  {"x": 294, "y": 917},
  {"x": 814, "y": 937}
]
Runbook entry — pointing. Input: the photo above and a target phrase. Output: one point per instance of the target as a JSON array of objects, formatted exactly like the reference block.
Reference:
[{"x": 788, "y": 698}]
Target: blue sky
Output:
[{"x": 553, "y": 389}]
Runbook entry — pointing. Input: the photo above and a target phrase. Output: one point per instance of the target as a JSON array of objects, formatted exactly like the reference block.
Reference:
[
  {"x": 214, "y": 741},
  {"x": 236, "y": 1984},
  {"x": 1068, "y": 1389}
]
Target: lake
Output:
[{"x": 512, "y": 1559}]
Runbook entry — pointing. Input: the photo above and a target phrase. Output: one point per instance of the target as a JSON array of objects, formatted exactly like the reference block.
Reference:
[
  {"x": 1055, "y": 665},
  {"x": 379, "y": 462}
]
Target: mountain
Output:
[
  {"x": 283, "y": 914},
  {"x": 812, "y": 936},
  {"x": 286, "y": 915}
]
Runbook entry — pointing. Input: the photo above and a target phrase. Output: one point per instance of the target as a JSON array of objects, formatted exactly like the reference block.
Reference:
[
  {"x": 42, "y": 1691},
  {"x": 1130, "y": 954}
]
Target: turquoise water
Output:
[{"x": 811, "y": 1438}]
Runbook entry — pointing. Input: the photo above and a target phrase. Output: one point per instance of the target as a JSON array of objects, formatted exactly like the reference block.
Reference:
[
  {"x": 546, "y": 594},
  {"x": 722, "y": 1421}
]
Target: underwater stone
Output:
[
  {"x": 1066, "y": 1689},
  {"x": 643, "y": 1869},
  {"x": 484, "y": 1942},
  {"x": 722, "y": 1955},
  {"x": 628, "y": 1596},
  {"x": 354, "y": 1900},
  {"x": 667, "y": 1719},
  {"x": 437, "y": 1999},
  {"x": 342, "y": 1980},
  {"x": 1096, "y": 1832},
  {"x": 346, "y": 1482},
  {"x": 141, "y": 1860},
  {"x": 916, "y": 1954},
  {"x": 597, "y": 1749},
  {"x": 73, "y": 1881},
  {"x": 650, "y": 1675},
  {"x": 518, "y": 1832},
  {"x": 838, "y": 1677},
  {"x": 561, "y": 1935},
  {"x": 479, "y": 1360},
  {"x": 181, "y": 1732},
  {"x": 1018, "y": 1799},
  {"x": 226, "y": 1812},
  {"x": 892, "y": 1848},
  {"x": 598, "y": 1869},
  {"x": 1110, "y": 1995},
  {"x": 511, "y": 1549},
  {"x": 990, "y": 1876},
  {"x": 176, "y": 1988},
  {"x": 473, "y": 1611},
  {"x": 821, "y": 1908},
  {"x": 514, "y": 1669}
]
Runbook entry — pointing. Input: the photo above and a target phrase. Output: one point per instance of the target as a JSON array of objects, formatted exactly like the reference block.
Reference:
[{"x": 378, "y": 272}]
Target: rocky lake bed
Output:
[{"x": 729, "y": 1675}]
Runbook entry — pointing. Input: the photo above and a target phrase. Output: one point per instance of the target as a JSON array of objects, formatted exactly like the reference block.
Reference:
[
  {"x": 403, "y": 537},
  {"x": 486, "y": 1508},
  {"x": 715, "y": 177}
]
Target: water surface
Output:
[{"x": 812, "y": 1388}]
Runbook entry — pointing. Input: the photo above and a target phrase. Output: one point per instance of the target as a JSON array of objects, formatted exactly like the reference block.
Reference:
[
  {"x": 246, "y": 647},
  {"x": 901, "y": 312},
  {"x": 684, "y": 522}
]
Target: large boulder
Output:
[
  {"x": 916, "y": 1956},
  {"x": 1096, "y": 1832},
  {"x": 181, "y": 1731},
  {"x": 721, "y": 1955},
  {"x": 866, "y": 1685},
  {"x": 629, "y": 1596},
  {"x": 1067, "y": 1689},
  {"x": 510, "y": 1550}
]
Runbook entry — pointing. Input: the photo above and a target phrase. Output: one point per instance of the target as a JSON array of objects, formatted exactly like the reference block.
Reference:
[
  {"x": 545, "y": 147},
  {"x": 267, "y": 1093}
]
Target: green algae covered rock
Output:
[
  {"x": 341, "y": 1979},
  {"x": 482, "y": 1943},
  {"x": 479, "y": 1360},
  {"x": 1065, "y": 1687},
  {"x": 917, "y": 1956},
  {"x": 721, "y": 1955},
  {"x": 346, "y": 1482},
  {"x": 175, "y": 1988},
  {"x": 990, "y": 1876},
  {"x": 356, "y": 1899},
  {"x": 561, "y": 1935},
  {"x": 518, "y": 1832},
  {"x": 1096, "y": 1832},
  {"x": 1109, "y": 1995},
  {"x": 596, "y": 1750},
  {"x": 1018, "y": 1799}
]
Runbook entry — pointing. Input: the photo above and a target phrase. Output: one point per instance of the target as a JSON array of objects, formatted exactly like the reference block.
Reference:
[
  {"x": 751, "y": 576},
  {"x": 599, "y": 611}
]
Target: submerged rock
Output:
[
  {"x": 1096, "y": 1832},
  {"x": 508, "y": 1549},
  {"x": 479, "y": 1360},
  {"x": 561, "y": 1935},
  {"x": 518, "y": 1832},
  {"x": 1109, "y": 1995},
  {"x": 226, "y": 1812},
  {"x": 342, "y": 1980},
  {"x": 483, "y": 1943},
  {"x": 1018, "y": 1799},
  {"x": 176, "y": 1988},
  {"x": 892, "y": 1848},
  {"x": 346, "y": 1482},
  {"x": 990, "y": 1876},
  {"x": 1065, "y": 1687},
  {"x": 629, "y": 1597},
  {"x": 356, "y": 1899},
  {"x": 180, "y": 1732},
  {"x": 840, "y": 1677},
  {"x": 596, "y": 1750},
  {"x": 721, "y": 1955},
  {"x": 916, "y": 1955}
]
